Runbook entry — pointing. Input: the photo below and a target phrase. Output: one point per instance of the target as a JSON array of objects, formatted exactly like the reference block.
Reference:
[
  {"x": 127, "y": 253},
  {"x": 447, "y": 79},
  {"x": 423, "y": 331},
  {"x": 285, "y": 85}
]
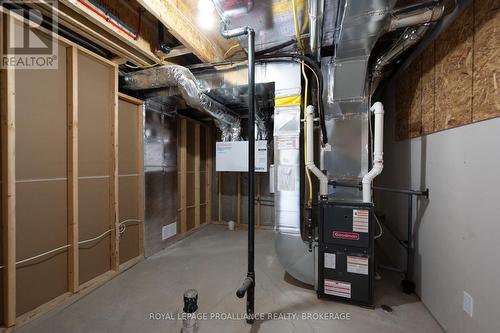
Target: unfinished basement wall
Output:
[
  {"x": 454, "y": 82},
  {"x": 455, "y": 230},
  {"x": 60, "y": 189},
  {"x": 231, "y": 198},
  {"x": 160, "y": 172}
]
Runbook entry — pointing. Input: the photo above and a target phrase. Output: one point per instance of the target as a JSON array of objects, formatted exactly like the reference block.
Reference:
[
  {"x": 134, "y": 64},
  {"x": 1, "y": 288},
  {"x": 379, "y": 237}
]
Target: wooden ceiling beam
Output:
[{"x": 181, "y": 25}]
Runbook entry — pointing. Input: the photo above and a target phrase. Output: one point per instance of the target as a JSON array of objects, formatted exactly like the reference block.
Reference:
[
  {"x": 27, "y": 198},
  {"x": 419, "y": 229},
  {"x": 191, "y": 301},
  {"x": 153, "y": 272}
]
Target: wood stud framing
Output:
[
  {"x": 197, "y": 176},
  {"x": 72, "y": 146},
  {"x": 113, "y": 181},
  {"x": 195, "y": 187},
  {"x": 181, "y": 173},
  {"x": 8, "y": 190},
  {"x": 7, "y": 112}
]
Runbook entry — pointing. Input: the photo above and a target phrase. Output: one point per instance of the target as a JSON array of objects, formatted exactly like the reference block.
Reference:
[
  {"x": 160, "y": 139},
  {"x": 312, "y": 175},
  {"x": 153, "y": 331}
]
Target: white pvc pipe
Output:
[
  {"x": 378, "y": 151},
  {"x": 323, "y": 179}
]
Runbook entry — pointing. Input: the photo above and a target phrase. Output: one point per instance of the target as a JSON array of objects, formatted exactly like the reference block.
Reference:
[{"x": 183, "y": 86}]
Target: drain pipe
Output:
[
  {"x": 378, "y": 152},
  {"x": 323, "y": 179},
  {"x": 248, "y": 285}
]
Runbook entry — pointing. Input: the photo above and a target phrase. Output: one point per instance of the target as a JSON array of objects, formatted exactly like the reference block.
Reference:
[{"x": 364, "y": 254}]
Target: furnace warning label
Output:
[
  {"x": 357, "y": 265},
  {"x": 338, "y": 288},
  {"x": 360, "y": 220},
  {"x": 330, "y": 260}
]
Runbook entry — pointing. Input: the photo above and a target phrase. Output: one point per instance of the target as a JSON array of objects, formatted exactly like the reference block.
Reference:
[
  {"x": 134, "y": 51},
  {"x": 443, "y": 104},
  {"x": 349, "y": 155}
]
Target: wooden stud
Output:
[
  {"x": 178, "y": 51},
  {"x": 182, "y": 174},
  {"x": 197, "y": 176},
  {"x": 113, "y": 181},
  {"x": 140, "y": 172},
  {"x": 182, "y": 28},
  {"x": 72, "y": 167},
  {"x": 238, "y": 201},
  {"x": 219, "y": 198},
  {"x": 208, "y": 168},
  {"x": 8, "y": 188}
]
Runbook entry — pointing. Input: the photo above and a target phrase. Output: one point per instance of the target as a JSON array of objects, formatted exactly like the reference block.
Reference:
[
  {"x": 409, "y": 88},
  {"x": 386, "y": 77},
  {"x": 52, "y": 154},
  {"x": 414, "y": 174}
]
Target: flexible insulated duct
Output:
[{"x": 184, "y": 80}]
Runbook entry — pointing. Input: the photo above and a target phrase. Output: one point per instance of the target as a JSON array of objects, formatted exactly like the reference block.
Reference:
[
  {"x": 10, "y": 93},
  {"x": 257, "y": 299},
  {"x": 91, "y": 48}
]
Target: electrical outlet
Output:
[
  {"x": 168, "y": 230},
  {"x": 468, "y": 304}
]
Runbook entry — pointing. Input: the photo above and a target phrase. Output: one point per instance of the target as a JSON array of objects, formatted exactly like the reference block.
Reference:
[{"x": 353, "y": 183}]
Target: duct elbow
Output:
[{"x": 295, "y": 257}]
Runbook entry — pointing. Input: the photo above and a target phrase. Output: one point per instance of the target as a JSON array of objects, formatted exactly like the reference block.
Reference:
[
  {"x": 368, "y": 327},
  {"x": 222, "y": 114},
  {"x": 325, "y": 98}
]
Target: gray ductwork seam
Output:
[{"x": 182, "y": 78}]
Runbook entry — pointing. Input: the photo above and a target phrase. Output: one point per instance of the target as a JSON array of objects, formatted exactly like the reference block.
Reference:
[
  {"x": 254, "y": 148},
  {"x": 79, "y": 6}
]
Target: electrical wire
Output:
[
  {"x": 296, "y": 26},
  {"x": 309, "y": 201},
  {"x": 121, "y": 231},
  {"x": 145, "y": 66},
  {"x": 379, "y": 226}
]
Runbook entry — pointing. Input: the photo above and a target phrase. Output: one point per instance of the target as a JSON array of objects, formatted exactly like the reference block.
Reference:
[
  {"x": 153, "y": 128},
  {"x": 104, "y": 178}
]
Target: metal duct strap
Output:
[{"x": 184, "y": 80}]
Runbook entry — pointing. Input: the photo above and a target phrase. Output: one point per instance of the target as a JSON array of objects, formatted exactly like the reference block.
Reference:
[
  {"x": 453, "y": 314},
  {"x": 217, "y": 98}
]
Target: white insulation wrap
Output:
[{"x": 182, "y": 78}]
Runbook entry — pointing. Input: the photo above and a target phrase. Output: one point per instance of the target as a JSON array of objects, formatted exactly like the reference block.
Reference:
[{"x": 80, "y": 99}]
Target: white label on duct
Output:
[
  {"x": 357, "y": 265},
  {"x": 330, "y": 260},
  {"x": 261, "y": 156},
  {"x": 360, "y": 220},
  {"x": 337, "y": 288},
  {"x": 286, "y": 178},
  {"x": 287, "y": 142},
  {"x": 233, "y": 156}
]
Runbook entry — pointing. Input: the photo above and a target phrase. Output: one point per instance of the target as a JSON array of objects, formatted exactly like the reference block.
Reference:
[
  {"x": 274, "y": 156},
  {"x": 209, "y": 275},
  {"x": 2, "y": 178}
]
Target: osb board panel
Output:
[
  {"x": 95, "y": 98},
  {"x": 486, "y": 85},
  {"x": 454, "y": 74},
  {"x": 41, "y": 216},
  {"x": 128, "y": 209},
  {"x": 428, "y": 85},
  {"x": 41, "y": 122},
  {"x": 94, "y": 220},
  {"x": 415, "y": 122},
  {"x": 128, "y": 117}
]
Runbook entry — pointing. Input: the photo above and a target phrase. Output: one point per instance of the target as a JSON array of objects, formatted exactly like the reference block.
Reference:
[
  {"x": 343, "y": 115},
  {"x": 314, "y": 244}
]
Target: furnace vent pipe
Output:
[
  {"x": 316, "y": 8},
  {"x": 416, "y": 14},
  {"x": 323, "y": 179},
  {"x": 182, "y": 78},
  {"x": 378, "y": 151}
]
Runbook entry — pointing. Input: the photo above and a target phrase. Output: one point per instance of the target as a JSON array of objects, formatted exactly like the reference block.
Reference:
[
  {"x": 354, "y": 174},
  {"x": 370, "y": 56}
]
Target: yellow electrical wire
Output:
[
  {"x": 296, "y": 26},
  {"x": 299, "y": 42},
  {"x": 309, "y": 201}
]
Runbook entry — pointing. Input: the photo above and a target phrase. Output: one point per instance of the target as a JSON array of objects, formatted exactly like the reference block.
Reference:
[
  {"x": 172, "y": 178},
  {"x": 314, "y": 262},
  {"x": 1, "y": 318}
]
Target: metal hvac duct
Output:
[
  {"x": 417, "y": 19},
  {"x": 182, "y": 78},
  {"x": 416, "y": 14}
]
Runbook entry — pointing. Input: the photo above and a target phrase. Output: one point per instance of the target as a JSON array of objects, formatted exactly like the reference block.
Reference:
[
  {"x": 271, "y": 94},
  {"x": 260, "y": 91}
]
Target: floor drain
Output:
[{"x": 386, "y": 308}]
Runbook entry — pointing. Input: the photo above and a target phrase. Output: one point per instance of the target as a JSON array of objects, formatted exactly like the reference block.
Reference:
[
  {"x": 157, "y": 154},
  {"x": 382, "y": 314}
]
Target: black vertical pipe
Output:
[
  {"x": 251, "y": 174},
  {"x": 248, "y": 285},
  {"x": 409, "y": 238}
]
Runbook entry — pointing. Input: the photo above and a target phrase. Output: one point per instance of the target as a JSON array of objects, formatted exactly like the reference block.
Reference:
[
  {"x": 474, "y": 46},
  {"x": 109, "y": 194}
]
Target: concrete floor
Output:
[{"x": 213, "y": 261}]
